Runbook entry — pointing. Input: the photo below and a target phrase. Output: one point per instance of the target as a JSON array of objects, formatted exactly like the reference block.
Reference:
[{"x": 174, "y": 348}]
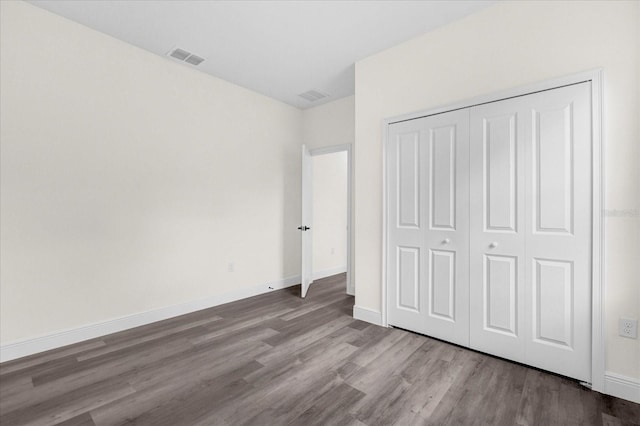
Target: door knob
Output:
[
  {"x": 446, "y": 241},
  {"x": 493, "y": 245}
]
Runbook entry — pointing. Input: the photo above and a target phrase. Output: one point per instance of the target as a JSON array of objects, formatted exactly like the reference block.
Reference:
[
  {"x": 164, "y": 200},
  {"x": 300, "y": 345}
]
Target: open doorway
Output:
[{"x": 326, "y": 212}]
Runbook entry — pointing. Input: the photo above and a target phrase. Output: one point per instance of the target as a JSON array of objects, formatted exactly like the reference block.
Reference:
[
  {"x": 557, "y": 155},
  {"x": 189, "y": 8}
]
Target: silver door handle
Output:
[
  {"x": 493, "y": 245},
  {"x": 446, "y": 241}
]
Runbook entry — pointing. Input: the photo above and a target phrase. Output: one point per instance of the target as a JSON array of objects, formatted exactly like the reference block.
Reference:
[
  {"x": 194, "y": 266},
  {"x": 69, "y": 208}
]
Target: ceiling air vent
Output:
[
  {"x": 313, "y": 95},
  {"x": 185, "y": 56},
  {"x": 194, "y": 60}
]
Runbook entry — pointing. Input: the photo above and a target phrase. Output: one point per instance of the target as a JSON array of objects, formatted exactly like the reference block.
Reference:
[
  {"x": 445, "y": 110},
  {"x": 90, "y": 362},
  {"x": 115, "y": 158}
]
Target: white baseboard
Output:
[
  {"x": 367, "y": 315},
  {"x": 622, "y": 387},
  {"x": 316, "y": 275},
  {"x": 25, "y": 347}
]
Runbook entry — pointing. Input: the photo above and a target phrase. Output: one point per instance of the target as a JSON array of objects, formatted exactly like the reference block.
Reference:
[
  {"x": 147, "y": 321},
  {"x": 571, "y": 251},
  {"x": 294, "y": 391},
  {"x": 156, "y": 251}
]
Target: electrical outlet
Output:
[
  {"x": 628, "y": 328},
  {"x": 230, "y": 268}
]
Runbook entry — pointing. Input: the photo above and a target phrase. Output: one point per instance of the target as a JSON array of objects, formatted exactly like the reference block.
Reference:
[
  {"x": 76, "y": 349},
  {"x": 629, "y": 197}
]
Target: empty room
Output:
[{"x": 319, "y": 212}]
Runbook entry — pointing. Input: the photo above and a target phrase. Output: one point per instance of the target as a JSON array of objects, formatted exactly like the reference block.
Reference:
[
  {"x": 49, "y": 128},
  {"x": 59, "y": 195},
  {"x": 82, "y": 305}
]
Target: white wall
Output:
[
  {"x": 508, "y": 45},
  {"x": 329, "y": 213},
  {"x": 329, "y": 124},
  {"x": 129, "y": 181}
]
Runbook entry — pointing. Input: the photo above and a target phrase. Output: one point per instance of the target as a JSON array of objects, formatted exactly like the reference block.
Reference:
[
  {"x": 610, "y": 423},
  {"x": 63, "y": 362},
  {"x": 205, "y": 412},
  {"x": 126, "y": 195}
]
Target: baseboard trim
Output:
[
  {"x": 316, "y": 275},
  {"x": 25, "y": 347},
  {"x": 622, "y": 386},
  {"x": 367, "y": 315}
]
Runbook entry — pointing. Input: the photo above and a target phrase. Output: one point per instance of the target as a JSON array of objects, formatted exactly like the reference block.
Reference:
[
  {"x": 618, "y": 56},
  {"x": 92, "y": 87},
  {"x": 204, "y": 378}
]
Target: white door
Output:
[
  {"x": 497, "y": 228},
  {"x": 428, "y": 214},
  {"x": 558, "y": 231},
  {"x": 530, "y": 230},
  {"x": 305, "y": 222}
]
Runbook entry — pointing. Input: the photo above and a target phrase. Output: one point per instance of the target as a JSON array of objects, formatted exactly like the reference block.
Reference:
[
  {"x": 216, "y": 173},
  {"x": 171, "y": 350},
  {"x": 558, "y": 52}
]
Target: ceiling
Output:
[{"x": 278, "y": 48}]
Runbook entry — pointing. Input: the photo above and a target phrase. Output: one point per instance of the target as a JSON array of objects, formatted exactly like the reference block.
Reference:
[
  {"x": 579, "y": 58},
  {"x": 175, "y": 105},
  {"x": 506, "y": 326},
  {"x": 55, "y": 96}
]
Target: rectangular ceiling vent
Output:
[
  {"x": 194, "y": 60},
  {"x": 313, "y": 95},
  {"x": 185, "y": 56}
]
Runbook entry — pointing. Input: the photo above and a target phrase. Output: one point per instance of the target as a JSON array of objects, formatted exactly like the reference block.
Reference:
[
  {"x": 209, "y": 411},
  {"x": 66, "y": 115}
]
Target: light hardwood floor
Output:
[{"x": 276, "y": 359}]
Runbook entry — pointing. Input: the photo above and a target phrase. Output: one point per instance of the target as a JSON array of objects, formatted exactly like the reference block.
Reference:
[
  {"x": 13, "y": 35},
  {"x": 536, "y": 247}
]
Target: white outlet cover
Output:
[{"x": 628, "y": 327}]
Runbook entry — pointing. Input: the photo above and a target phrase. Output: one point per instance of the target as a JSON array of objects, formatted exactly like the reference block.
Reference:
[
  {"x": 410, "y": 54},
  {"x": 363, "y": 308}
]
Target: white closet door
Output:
[
  {"x": 558, "y": 231},
  {"x": 530, "y": 232},
  {"x": 497, "y": 229},
  {"x": 428, "y": 215}
]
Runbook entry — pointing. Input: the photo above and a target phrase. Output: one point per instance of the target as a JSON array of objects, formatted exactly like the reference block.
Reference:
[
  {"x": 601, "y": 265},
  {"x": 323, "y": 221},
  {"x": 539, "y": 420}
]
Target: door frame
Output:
[
  {"x": 596, "y": 77},
  {"x": 348, "y": 149}
]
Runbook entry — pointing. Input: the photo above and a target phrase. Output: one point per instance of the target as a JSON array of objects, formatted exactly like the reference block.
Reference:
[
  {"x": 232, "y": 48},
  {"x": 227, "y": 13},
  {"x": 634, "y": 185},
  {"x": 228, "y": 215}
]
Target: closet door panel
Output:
[
  {"x": 497, "y": 229},
  {"x": 442, "y": 283},
  {"x": 499, "y": 172},
  {"x": 406, "y": 275},
  {"x": 431, "y": 298},
  {"x": 442, "y": 179},
  {"x": 408, "y": 180},
  {"x": 447, "y": 238},
  {"x": 500, "y": 295},
  {"x": 408, "y": 278},
  {"x": 558, "y": 227},
  {"x": 552, "y": 307}
]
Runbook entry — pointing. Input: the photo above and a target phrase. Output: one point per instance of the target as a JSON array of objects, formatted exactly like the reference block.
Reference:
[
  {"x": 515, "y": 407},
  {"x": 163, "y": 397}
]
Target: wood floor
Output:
[{"x": 276, "y": 359}]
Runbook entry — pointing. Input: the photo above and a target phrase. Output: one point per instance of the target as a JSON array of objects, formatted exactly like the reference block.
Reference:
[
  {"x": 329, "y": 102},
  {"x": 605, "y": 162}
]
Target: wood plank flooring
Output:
[{"x": 276, "y": 359}]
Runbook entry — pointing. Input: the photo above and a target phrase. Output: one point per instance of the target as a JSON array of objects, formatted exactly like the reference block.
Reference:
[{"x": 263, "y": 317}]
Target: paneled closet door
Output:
[
  {"x": 558, "y": 230},
  {"x": 497, "y": 229},
  {"x": 530, "y": 230},
  {"x": 428, "y": 213}
]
